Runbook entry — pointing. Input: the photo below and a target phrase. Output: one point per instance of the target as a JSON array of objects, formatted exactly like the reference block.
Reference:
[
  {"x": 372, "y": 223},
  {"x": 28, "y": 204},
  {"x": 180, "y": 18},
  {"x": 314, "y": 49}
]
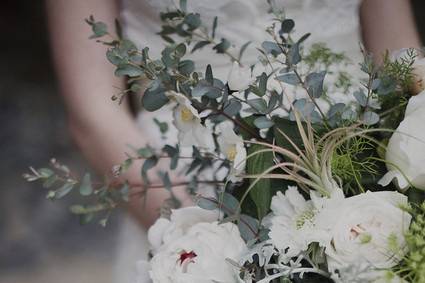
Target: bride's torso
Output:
[
  {"x": 332, "y": 21},
  {"x": 335, "y": 22}
]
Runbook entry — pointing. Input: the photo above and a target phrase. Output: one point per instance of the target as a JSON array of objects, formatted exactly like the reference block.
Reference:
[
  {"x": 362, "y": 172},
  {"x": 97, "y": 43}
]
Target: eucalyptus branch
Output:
[
  {"x": 211, "y": 40},
  {"x": 302, "y": 82},
  {"x": 284, "y": 51},
  {"x": 140, "y": 189}
]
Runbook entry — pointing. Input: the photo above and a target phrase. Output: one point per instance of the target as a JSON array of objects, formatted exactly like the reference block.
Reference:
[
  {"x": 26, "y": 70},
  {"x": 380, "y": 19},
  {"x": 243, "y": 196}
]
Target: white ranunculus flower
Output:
[
  {"x": 369, "y": 227},
  {"x": 406, "y": 149},
  {"x": 192, "y": 247},
  {"x": 232, "y": 146},
  {"x": 292, "y": 223},
  {"x": 199, "y": 256},
  {"x": 166, "y": 230},
  {"x": 239, "y": 77},
  {"x": 188, "y": 122}
]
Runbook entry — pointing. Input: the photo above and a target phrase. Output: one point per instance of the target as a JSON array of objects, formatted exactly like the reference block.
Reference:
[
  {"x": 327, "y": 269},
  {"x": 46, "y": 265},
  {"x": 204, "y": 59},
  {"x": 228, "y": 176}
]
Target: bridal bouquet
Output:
[{"x": 316, "y": 176}]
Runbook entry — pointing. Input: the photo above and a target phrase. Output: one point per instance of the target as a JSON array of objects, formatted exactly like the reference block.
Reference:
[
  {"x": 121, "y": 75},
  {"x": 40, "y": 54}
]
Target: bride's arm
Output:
[
  {"x": 388, "y": 25},
  {"x": 101, "y": 128}
]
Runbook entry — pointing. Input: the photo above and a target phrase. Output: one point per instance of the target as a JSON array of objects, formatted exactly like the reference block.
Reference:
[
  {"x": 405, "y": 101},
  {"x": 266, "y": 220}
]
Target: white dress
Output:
[{"x": 335, "y": 22}]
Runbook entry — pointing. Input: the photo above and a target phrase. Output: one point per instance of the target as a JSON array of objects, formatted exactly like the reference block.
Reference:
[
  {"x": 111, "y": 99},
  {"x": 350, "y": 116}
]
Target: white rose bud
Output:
[{"x": 406, "y": 149}]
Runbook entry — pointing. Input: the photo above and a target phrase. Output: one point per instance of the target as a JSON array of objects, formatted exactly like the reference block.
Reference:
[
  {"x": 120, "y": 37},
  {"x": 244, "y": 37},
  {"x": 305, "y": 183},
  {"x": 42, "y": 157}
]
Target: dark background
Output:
[{"x": 40, "y": 241}]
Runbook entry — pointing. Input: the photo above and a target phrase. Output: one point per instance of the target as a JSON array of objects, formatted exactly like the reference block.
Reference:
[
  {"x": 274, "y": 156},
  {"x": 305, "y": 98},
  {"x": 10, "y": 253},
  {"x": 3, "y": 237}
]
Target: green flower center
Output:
[{"x": 303, "y": 218}]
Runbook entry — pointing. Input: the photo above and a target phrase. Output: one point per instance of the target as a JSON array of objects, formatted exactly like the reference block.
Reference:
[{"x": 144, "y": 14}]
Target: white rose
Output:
[
  {"x": 369, "y": 228},
  {"x": 188, "y": 122},
  {"x": 232, "y": 146},
  {"x": 406, "y": 148},
  {"x": 199, "y": 255},
  {"x": 293, "y": 223},
  {"x": 239, "y": 77}
]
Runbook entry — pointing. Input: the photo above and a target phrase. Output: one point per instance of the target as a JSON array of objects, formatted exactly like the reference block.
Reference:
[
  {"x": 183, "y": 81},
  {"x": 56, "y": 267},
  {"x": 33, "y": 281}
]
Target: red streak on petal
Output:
[{"x": 187, "y": 255}]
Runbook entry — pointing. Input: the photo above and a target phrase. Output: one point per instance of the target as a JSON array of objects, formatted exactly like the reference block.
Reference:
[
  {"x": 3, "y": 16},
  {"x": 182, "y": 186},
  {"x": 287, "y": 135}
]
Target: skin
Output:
[
  {"x": 388, "y": 25},
  {"x": 103, "y": 129}
]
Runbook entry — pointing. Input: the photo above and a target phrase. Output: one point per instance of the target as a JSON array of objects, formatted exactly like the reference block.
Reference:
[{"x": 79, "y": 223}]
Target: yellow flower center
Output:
[
  {"x": 231, "y": 153},
  {"x": 186, "y": 114}
]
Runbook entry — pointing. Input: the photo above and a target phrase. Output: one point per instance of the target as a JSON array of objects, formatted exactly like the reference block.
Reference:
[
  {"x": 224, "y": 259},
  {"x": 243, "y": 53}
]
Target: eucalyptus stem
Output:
[
  {"x": 139, "y": 189},
  {"x": 302, "y": 82}
]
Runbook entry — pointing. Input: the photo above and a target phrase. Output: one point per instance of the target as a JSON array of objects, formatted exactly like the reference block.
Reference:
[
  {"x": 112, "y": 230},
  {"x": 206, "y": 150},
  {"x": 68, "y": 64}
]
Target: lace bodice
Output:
[{"x": 332, "y": 21}]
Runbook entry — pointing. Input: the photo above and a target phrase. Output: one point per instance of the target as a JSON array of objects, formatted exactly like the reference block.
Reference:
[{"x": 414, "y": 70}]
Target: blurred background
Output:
[{"x": 40, "y": 241}]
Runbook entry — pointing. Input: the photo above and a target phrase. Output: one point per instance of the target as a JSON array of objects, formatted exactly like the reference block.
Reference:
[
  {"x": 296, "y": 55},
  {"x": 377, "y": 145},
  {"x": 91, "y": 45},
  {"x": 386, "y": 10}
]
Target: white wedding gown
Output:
[{"x": 335, "y": 22}]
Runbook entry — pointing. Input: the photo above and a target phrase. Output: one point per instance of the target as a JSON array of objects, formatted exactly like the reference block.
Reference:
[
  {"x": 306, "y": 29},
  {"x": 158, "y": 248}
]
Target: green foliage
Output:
[
  {"x": 222, "y": 46},
  {"x": 413, "y": 266},
  {"x": 260, "y": 193},
  {"x": 352, "y": 161},
  {"x": 400, "y": 70},
  {"x": 162, "y": 126},
  {"x": 344, "y": 81},
  {"x": 249, "y": 227},
  {"x": 321, "y": 56},
  {"x": 61, "y": 182},
  {"x": 86, "y": 188},
  {"x": 99, "y": 28},
  {"x": 393, "y": 91},
  {"x": 314, "y": 83},
  {"x": 154, "y": 98}
]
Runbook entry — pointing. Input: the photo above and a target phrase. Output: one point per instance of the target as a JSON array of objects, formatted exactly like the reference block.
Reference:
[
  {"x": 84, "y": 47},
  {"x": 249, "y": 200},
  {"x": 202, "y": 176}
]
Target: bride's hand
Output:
[{"x": 388, "y": 25}]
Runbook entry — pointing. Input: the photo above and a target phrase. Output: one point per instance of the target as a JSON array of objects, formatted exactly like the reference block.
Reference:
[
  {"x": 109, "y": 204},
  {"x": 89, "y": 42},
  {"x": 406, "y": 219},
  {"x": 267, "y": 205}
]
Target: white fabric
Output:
[{"x": 335, "y": 22}]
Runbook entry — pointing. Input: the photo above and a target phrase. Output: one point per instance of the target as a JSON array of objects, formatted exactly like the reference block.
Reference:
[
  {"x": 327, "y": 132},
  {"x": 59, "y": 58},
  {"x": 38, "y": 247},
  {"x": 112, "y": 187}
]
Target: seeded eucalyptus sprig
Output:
[
  {"x": 101, "y": 198},
  {"x": 60, "y": 182}
]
